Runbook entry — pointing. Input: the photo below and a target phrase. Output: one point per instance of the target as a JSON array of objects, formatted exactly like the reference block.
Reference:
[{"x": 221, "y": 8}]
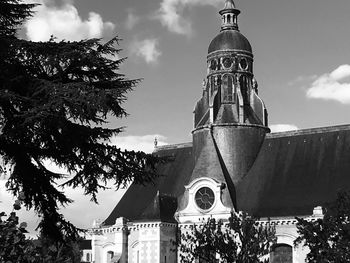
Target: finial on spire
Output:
[
  {"x": 155, "y": 142},
  {"x": 229, "y": 16},
  {"x": 229, "y": 4}
]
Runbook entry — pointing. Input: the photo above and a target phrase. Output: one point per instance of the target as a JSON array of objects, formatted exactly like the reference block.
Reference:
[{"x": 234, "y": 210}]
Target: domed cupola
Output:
[
  {"x": 230, "y": 94},
  {"x": 229, "y": 38}
]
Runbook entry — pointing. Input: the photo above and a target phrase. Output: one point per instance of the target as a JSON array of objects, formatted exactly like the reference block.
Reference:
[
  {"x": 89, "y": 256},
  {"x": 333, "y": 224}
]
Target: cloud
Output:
[
  {"x": 283, "y": 127},
  {"x": 139, "y": 143},
  {"x": 64, "y": 22},
  {"x": 131, "y": 20},
  {"x": 170, "y": 14},
  {"x": 332, "y": 86},
  {"x": 146, "y": 49}
]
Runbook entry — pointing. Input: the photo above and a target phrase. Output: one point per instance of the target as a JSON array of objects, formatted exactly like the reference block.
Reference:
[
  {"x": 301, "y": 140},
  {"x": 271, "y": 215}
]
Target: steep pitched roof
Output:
[
  {"x": 175, "y": 174},
  {"x": 162, "y": 208},
  {"x": 293, "y": 173},
  {"x": 296, "y": 171}
]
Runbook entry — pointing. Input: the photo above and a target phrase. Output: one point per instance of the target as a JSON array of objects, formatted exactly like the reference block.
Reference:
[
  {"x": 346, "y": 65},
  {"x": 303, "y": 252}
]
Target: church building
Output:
[{"x": 233, "y": 164}]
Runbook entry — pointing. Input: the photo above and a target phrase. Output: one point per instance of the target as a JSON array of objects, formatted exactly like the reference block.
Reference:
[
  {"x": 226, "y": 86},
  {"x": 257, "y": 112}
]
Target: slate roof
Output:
[
  {"x": 293, "y": 173},
  {"x": 162, "y": 208},
  {"x": 138, "y": 197},
  {"x": 296, "y": 171}
]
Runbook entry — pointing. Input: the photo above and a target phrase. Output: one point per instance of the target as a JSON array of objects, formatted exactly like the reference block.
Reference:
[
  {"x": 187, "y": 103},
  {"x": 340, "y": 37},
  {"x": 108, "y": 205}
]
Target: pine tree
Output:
[{"x": 55, "y": 98}]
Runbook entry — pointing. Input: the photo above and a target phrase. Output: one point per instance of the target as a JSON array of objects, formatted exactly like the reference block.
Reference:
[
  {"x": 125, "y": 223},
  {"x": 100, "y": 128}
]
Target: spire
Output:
[{"x": 229, "y": 16}]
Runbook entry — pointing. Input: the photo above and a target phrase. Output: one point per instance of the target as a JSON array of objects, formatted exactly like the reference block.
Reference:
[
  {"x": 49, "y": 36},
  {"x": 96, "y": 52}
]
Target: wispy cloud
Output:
[
  {"x": 64, "y": 22},
  {"x": 282, "y": 127},
  {"x": 131, "y": 20},
  {"x": 170, "y": 14},
  {"x": 147, "y": 49},
  {"x": 332, "y": 86}
]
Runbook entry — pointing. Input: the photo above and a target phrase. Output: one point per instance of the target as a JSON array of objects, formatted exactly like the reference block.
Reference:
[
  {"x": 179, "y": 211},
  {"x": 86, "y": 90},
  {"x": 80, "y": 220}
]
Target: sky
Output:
[{"x": 301, "y": 53}]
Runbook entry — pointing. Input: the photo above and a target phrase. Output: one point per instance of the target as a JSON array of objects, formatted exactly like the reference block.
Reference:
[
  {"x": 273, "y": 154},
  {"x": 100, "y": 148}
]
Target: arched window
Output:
[{"x": 281, "y": 253}]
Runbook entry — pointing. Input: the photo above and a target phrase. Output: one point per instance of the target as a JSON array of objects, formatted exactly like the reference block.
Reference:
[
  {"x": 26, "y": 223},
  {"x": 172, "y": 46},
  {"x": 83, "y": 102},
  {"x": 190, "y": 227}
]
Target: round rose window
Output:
[{"x": 205, "y": 198}]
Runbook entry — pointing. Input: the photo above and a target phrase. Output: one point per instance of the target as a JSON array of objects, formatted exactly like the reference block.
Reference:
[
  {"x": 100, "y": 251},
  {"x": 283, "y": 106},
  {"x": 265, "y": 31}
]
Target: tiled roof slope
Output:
[
  {"x": 138, "y": 197},
  {"x": 296, "y": 171},
  {"x": 162, "y": 208},
  {"x": 293, "y": 173}
]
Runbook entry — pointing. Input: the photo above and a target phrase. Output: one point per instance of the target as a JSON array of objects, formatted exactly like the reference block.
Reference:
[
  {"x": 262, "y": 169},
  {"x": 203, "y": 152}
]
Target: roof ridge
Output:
[
  {"x": 309, "y": 131},
  {"x": 172, "y": 146}
]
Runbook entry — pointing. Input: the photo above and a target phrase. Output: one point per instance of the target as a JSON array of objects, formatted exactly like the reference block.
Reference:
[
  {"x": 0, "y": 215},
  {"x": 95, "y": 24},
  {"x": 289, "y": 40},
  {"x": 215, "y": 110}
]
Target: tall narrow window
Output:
[{"x": 227, "y": 88}]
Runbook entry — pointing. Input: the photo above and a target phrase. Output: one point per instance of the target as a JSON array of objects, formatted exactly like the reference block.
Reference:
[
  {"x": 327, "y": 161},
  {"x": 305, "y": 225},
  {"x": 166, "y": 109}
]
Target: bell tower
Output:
[
  {"x": 230, "y": 124},
  {"x": 230, "y": 111}
]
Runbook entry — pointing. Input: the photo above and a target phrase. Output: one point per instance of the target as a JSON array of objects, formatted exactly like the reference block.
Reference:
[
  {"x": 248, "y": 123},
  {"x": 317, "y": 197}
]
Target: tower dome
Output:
[
  {"x": 229, "y": 38},
  {"x": 230, "y": 91}
]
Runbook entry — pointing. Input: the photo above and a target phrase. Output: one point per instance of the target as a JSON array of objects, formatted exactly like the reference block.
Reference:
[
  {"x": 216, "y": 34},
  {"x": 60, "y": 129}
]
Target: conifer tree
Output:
[{"x": 55, "y": 99}]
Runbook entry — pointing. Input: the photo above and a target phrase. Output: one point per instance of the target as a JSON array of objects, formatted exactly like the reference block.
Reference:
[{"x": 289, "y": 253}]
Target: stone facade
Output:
[{"x": 134, "y": 242}]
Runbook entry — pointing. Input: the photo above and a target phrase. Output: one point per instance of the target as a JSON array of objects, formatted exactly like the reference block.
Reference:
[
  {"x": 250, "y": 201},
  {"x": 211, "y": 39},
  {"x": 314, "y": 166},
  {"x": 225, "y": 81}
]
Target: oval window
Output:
[
  {"x": 243, "y": 63},
  {"x": 205, "y": 198},
  {"x": 227, "y": 62}
]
